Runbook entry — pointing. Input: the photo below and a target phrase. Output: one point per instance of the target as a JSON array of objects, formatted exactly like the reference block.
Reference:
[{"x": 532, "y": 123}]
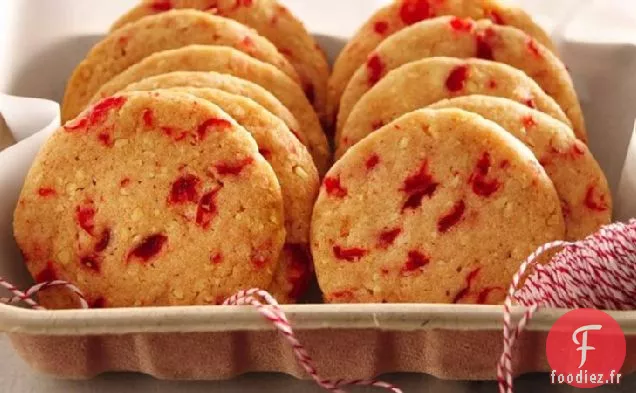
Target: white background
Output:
[{"x": 33, "y": 36}]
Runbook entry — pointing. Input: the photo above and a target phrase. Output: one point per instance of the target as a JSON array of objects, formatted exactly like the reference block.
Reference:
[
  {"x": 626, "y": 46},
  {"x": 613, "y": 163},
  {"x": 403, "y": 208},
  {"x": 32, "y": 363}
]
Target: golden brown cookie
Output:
[
  {"x": 150, "y": 199},
  {"x": 230, "y": 61},
  {"x": 270, "y": 19},
  {"x": 170, "y": 30},
  {"x": 424, "y": 82},
  {"x": 464, "y": 38},
  {"x": 586, "y": 200},
  {"x": 225, "y": 82},
  {"x": 439, "y": 206},
  {"x": 298, "y": 178},
  {"x": 402, "y": 13}
]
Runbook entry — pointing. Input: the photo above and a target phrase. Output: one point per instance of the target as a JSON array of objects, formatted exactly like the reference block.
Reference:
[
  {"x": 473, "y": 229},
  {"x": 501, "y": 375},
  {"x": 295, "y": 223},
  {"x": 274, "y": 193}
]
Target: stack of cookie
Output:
[
  {"x": 189, "y": 162},
  {"x": 461, "y": 148}
]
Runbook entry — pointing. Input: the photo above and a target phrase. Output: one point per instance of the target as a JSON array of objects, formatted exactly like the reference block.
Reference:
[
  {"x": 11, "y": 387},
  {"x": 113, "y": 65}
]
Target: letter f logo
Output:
[{"x": 584, "y": 347}]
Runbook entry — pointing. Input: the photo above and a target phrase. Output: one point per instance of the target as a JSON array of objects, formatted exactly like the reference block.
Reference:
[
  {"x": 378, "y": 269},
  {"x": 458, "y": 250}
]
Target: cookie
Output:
[
  {"x": 150, "y": 199},
  {"x": 402, "y": 13},
  {"x": 230, "y": 61},
  {"x": 440, "y": 206},
  {"x": 586, "y": 200},
  {"x": 464, "y": 38},
  {"x": 296, "y": 174},
  {"x": 225, "y": 82},
  {"x": 170, "y": 30},
  {"x": 270, "y": 19},
  {"x": 424, "y": 82}
]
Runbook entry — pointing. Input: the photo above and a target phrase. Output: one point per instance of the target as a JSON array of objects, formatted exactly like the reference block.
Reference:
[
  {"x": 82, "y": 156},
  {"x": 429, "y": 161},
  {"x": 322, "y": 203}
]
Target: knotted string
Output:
[{"x": 597, "y": 272}]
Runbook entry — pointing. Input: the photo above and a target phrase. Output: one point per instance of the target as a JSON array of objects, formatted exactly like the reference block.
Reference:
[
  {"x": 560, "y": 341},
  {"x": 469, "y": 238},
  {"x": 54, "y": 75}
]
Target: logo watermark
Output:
[{"x": 586, "y": 349}]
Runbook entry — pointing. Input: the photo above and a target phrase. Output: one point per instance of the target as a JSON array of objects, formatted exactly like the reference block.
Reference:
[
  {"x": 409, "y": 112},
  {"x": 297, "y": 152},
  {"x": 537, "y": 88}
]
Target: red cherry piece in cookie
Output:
[
  {"x": 375, "y": 69},
  {"x": 149, "y": 248},
  {"x": 481, "y": 185},
  {"x": 161, "y": 5},
  {"x": 372, "y": 161},
  {"x": 376, "y": 125},
  {"x": 148, "y": 117},
  {"x": 387, "y": 237},
  {"x": 594, "y": 200},
  {"x": 484, "y": 49},
  {"x": 334, "y": 188},
  {"x": 207, "y": 209},
  {"x": 528, "y": 121},
  {"x": 414, "y": 263},
  {"x": 103, "y": 107},
  {"x": 85, "y": 216},
  {"x": 381, "y": 27},
  {"x": 469, "y": 282},
  {"x": 105, "y": 138},
  {"x": 461, "y": 24},
  {"x": 349, "y": 254},
  {"x": 495, "y": 17},
  {"x": 46, "y": 192},
  {"x": 216, "y": 258},
  {"x": 344, "y": 295},
  {"x": 417, "y": 186},
  {"x": 457, "y": 78},
  {"x": 216, "y": 124},
  {"x": 450, "y": 219},
  {"x": 233, "y": 168},
  {"x": 530, "y": 103},
  {"x": 96, "y": 114},
  {"x": 184, "y": 190},
  {"x": 104, "y": 241},
  {"x": 413, "y": 11}
]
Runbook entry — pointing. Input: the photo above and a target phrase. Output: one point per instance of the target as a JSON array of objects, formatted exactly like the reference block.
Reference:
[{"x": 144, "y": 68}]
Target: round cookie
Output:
[
  {"x": 273, "y": 21},
  {"x": 440, "y": 206},
  {"x": 170, "y": 30},
  {"x": 424, "y": 82},
  {"x": 586, "y": 200},
  {"x": 464, "y": 38},
  {"x": 150, "y": 199},
  {"x": 230, "y": 61},
  {"x": 225, "y": 82},
  {"x": 402, "y": 13},
  {"x": 298, "y": 178}
]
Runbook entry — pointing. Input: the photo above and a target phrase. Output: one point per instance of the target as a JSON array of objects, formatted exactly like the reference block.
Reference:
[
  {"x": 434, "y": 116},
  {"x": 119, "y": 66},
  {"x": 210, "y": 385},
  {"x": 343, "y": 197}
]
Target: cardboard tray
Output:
[{"x": 346, "y": 341}]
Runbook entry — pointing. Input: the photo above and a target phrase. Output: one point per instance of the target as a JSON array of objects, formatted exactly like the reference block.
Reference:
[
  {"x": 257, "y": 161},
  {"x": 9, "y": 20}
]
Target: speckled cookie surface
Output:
[
  {"x": 170, "y": 30},
  {"x": 230, "y": 61},
  {"x": 586, "y": 201},
  {"x": 402, "y": 13},
  {"x": 438, "y": 207},
  {"x": 225, "y": 82},
  {"x": 464, "y": 38},
  {"x": 424, "y": 82},
  {"x": 296, "y": 174},
  {"x": 151, "y": 199},
  {"x": 272, "y": 20}
]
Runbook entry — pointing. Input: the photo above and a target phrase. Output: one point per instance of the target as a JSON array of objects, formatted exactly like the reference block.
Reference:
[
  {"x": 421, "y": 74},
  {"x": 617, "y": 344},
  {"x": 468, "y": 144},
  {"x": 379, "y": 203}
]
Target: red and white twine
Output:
[{"x": 598, "y": 272}]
